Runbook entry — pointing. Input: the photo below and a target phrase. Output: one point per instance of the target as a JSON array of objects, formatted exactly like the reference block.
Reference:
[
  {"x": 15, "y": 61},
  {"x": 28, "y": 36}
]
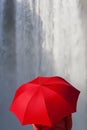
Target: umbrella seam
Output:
[
  {"x": 61, "y": 97},
  {"x": 28, "y": 105}
]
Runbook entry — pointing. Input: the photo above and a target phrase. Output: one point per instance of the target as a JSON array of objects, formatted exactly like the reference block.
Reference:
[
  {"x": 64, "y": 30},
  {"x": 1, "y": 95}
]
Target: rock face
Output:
[{"x": 42, "y": 38}]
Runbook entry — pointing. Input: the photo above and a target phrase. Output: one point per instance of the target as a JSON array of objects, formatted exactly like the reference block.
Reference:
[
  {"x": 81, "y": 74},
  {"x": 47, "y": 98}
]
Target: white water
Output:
[{"x": 44, "y": 38}]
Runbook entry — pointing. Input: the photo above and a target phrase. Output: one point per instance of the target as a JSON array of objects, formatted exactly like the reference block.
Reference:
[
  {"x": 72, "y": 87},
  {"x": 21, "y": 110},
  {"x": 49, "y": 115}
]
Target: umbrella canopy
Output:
[{"x": 44, "y": 100}]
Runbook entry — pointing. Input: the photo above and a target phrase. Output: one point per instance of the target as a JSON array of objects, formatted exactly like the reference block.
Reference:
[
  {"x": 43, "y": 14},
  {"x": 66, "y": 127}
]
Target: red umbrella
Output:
[{"x": 44, "y": 100}]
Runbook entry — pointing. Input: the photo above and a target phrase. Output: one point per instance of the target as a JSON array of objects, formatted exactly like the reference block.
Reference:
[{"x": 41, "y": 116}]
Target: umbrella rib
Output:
[
  {"x": 46, "y": 109},
  {"x": 61, "y": 97},
  {"x": 28, "y": 105}
]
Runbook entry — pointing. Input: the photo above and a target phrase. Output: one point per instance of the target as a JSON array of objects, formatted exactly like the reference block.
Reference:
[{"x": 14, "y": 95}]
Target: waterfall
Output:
[
  {"x": 42, "y": 38},
  {"x": 7, "y": 59}
]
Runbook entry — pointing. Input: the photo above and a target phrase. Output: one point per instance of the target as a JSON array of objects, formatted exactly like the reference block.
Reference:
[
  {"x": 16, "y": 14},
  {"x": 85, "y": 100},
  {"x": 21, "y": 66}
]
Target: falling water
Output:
[{"x": 41, "y": 38}]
